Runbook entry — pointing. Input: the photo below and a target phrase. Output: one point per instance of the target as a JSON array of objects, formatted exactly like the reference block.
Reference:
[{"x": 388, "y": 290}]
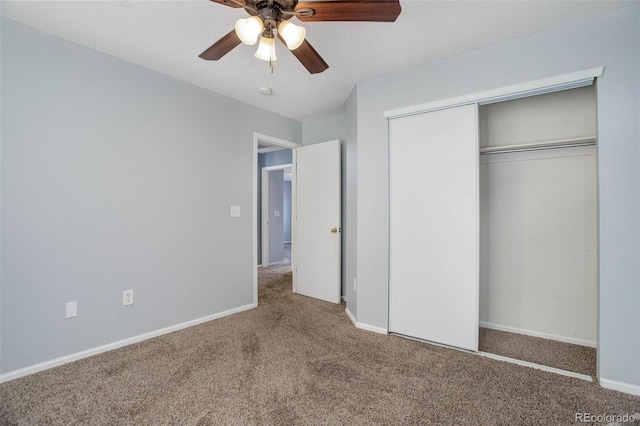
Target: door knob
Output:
[{"x": 335, "y": 230}]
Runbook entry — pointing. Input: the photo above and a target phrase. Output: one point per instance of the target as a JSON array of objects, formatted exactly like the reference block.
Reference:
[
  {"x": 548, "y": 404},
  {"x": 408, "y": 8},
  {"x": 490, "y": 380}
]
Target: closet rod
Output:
[{"x": 565, "y": 143}]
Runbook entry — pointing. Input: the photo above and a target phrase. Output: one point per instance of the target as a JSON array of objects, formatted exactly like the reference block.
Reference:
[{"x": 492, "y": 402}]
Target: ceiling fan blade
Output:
[
  {"x": 221, "y": 47},
  {"x": 350, "y": 10},
  {"x": 308, "y": 56},
  {"x": 232, "y": 3}
]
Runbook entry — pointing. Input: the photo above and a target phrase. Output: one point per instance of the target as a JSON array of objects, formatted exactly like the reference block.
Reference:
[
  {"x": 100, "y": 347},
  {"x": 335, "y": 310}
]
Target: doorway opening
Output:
[
  {"x": 274, "y": 208},
  {"x": 315, "y": 216},
  {"x": 275, "y": 275}
]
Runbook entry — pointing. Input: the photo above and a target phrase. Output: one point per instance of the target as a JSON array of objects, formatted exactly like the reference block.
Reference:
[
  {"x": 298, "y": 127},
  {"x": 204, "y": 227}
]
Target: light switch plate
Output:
[
  {"x": 72, "y": 310},
  {"x": 235, "y": 211},
  {"x": 276, "y": 213}
]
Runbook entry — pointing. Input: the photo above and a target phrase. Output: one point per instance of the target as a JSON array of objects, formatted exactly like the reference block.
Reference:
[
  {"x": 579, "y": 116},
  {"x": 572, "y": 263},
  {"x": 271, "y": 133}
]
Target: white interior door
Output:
[
  {"x": 317, "y": 235},
  {"x": 434, "y": 226}
]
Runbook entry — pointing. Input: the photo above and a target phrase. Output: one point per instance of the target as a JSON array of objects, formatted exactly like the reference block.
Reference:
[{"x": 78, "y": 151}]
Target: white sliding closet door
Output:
[{"x": 434, "y": 226}]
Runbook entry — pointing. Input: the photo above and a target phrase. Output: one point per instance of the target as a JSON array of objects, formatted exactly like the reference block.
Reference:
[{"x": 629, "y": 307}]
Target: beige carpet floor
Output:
[
  {"x": 295, "y": 360},
  {"x": 565, "y": 356}
]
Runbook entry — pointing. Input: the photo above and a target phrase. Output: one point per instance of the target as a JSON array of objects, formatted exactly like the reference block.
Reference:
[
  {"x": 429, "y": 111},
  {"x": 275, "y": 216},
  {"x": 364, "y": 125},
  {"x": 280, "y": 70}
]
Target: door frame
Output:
[
  {"x": 270, "y": 140},
  {"x": 264, "y": 208}
]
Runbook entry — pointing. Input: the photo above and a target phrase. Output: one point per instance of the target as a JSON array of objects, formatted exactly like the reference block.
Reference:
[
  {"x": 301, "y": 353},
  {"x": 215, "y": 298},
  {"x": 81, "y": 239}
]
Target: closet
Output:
[
  {"x": 493, "y": 220},
  {"x": 538, "y": 216}
]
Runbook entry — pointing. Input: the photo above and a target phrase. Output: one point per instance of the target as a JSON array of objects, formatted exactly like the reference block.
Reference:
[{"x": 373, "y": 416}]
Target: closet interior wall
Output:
[{"x": 538, "y": 217}]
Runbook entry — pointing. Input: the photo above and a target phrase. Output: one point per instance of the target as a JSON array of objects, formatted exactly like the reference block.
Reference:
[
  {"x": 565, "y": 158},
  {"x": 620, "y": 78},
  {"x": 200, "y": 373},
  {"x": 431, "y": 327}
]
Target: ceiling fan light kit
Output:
[
  {"x": 292, "y": 34},
  {"x": 267, "y": 48},
  {"x": 268, "y": 16},
  {"x": 249, "y": 29}
]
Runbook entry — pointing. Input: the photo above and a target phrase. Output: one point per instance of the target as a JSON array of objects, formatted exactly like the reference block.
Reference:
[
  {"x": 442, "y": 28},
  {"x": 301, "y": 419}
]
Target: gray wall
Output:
[
  {"x": 276, "y": 202},
  {"x": 323, "y": 130},
  {"x": 275, "y": 158},
  {"x": 612, "y": 40},
  {"x": 115, "y": 177}
]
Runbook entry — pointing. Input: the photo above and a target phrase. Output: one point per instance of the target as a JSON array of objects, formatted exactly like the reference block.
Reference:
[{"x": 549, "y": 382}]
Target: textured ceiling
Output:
[{"x": 168, "y": 36}]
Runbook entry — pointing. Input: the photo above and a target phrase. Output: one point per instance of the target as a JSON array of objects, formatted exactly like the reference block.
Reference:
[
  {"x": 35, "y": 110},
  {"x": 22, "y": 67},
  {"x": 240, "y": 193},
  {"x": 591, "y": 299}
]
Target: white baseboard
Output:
[
  {"x": 364, "y": 326},
  {"x": 372, "y": 328},
  {"x": 351, "y": 317},
  {"x": 564, "y": 339},
  {"x": 15, "y": 374},
  {"x": 619, "y": 386}
]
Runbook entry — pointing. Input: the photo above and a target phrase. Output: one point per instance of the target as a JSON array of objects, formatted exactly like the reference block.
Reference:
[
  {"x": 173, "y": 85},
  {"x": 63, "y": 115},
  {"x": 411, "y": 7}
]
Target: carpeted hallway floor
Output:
[{"x": 295, "y": 360}]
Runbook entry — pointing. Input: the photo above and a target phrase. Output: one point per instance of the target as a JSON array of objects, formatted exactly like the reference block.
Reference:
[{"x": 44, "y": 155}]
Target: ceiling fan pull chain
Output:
[{"x": 272, "y": 55}]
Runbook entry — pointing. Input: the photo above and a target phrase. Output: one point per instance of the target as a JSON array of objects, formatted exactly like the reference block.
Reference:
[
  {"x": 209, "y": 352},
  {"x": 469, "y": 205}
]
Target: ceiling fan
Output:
[{"x": 268, "y": 16}]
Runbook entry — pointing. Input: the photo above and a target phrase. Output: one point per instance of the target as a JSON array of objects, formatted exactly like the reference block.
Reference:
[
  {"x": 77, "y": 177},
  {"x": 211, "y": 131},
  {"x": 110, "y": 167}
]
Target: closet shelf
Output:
[{"x": 564, "y": 143}]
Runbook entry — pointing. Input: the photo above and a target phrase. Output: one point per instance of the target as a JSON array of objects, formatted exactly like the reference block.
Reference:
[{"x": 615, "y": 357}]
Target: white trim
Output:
[
  {"x": 372, "y": 328},
  {"x": 363, "y": 326},
  {"x": 275, "y": 141},
  {"x": 536, "y": 366},
  {"x": 351, "y": 317},
  {"x": 254, "y": 205},
  {"x": 264, "y": 218},
  {"x": 620, "y": 386},
  {"x": 564, "y": 339},
  {"x": 15, "y": 374},
  {"x": 531, "y": 88},
  {"x": 294, "y": 219},
  {"x": 477, "y": 260}
]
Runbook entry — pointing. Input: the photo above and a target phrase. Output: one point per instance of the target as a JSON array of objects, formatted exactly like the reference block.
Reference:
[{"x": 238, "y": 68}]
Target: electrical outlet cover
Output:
[{"x": 127, "y": 297}]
